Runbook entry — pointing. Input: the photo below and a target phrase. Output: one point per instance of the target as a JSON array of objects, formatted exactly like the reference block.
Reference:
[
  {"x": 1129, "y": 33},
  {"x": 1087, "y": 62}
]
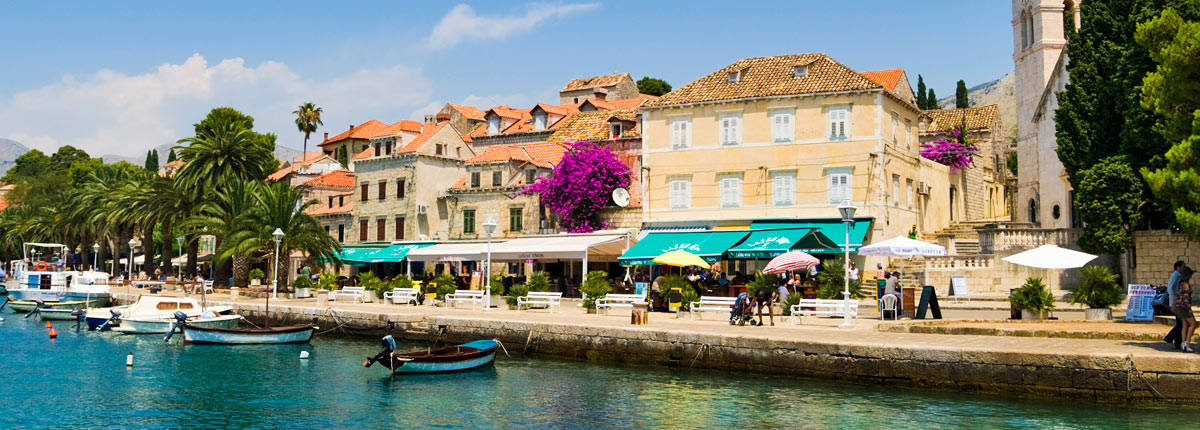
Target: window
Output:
[
  {"x": 493, "y": 125},
  {"x": 783, "y": 188},
  {"x": 731, "y": 191},
  {"x": 387, "y": 148},
  {"x": 474, "y": 179},
  {"x": 326, "y": 229},
  {"x": 910, "y": 201},
  {"x": 515, "y": 219},
  {"x": 681, "y": 193},
  {"x": 365, "y": 187},
  {"x": 781, "y": 125},
  {"x": 539, "y": 121},
  {"x": 895, "y": 129},
  {"x": 341, "y": 233},
  {"x": 331, "y": 202},
  {"x": 840, "y": 185},
  {"x": 614, "y": 130},
  {"x": 907, "y": 134},
  {"x": 468, "y": 221},
  {"x": 399, "y": 188},
  {"x": 376, "y": 149},
  {"x": 734, "y": 77},
  {"x": 342, "y": 200},
  {"x": 439, "y": 149},
  {"x": 362, "y": 230},
  {"x": 530, "y": 176},
  {"x": 730, "y": 129},
  {"x": 681, "y": 133},
  {"x": 382, "y": 190},
  {"x": 399, "y": 228},
  {"x": 839, "y": 122},
  {"x": 800, "y": 71},
  {"x": 380, "y": 229},
  {"x": 497, "y": 178},
  {"x": 896, "y": 190}
]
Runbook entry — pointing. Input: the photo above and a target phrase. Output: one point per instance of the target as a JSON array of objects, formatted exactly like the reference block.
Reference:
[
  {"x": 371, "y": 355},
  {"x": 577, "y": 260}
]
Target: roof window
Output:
[
  {"x": 800, "y": 71},
  {"x": 735, "y": 76}
]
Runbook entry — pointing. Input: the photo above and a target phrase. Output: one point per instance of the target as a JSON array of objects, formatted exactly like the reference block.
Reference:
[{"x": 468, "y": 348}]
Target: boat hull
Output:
[
  {"x": 477, "y": 354},
  {"x": 26, "y": 306},
  {"x": 161, "y": 326},
  {"x": 291, "y": 334},
  {"x": 56, "y": 314}
]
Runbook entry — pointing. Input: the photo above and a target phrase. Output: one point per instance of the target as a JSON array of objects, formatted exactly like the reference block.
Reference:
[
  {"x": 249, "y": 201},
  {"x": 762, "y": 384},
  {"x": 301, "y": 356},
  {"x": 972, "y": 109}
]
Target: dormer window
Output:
[
  {"x": 614, "y": 130},
  {"x": 800, "y": 71},
  {"x": 493, "y": 125},
  {"x": 539, "y": 121},
  {"x": 734, "y": 77}
]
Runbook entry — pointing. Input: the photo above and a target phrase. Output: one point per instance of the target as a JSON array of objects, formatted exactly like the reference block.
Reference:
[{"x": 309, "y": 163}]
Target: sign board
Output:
[
  {"x": 958, "y": 286},
  {"x": 639, "y": 288},
  {"x": 1141, "y": 303},
  {"x": 928, "y": 302}
]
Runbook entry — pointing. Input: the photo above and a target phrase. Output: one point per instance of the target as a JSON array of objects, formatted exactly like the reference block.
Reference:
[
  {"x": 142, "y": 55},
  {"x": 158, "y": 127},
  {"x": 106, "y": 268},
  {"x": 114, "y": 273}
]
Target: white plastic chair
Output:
[
  {"x": 208, "y": 287},
  {"x": 889, "y": 304}
]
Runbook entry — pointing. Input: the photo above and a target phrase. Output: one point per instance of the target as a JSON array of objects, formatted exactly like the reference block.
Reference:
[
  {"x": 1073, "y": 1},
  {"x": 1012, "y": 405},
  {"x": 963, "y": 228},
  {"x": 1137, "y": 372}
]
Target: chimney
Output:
[
  {"x": 429, "y": 119},
  {"x": 600, "y": 93},
  {"x": 352, "y": 126},
  {"x": 326, "y": 136}
]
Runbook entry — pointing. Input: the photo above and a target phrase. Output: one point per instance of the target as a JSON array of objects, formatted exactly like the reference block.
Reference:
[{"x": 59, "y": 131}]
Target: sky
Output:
[{"x": 123, "y": 77}]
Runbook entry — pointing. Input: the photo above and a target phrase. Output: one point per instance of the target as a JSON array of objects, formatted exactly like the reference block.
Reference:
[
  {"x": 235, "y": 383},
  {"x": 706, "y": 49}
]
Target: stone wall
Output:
[{"x": 1155, "y": 253}]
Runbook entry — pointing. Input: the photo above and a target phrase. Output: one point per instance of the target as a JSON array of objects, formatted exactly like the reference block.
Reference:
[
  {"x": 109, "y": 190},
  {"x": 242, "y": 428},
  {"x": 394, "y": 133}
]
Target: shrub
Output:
[
  {"x": 789, "y": 301},
  {"x": 689, "y": 296},
  {"x": 831, "y": 284},
  {"x": 595, "y": 287},
  {"x": 519, "y": 290},
  {"x": 445, "y": 285},
  {"x": 539, "y": 282},
  {"x": 762, "y": 281},
  {"x": 257, "y": 273},
  {"x": 328, "y": 281},
  {"x": 370, "y": 282},
  {"x": 400, "y": 281},
  {"x": 497, "y": 285},
  {"x": 1033, "y": 296},
  {"x": 302, "y": 282},
  {"x": 1098, "y": 289}
]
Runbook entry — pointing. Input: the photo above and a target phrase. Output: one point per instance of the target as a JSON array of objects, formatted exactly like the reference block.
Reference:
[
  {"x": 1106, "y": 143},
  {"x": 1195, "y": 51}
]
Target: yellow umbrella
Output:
[{"x": 681, "y": 258}]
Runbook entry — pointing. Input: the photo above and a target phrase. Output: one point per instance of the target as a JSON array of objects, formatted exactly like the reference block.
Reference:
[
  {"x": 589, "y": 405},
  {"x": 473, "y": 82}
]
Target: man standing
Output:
[{"x": 1175, "y": 336}]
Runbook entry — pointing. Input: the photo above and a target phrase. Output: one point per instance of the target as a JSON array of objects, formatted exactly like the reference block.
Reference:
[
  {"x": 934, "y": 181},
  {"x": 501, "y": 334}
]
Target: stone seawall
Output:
[{"x": 915, "y": 360}]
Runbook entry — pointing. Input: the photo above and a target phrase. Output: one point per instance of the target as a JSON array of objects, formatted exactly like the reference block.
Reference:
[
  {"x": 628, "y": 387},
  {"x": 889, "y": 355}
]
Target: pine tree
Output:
[
  {"x": 960, "y": 96},
  {"x": 921, "y": 101},
  {"x": 152, "y": 160},
  {"x": 170, "y": 155},
  {"x": 932, "y": 101}
]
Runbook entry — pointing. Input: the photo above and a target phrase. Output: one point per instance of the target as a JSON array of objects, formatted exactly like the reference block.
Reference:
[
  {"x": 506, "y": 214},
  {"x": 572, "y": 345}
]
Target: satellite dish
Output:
[{"x": 620, "y": 196}]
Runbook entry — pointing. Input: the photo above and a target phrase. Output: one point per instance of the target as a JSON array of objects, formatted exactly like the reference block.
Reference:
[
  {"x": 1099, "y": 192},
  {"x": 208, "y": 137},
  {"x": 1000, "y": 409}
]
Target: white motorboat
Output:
[
  {"x": 149, "y": 308},
  {"x": 161, "y": 326},
  {"x": 41, "y": 280}
]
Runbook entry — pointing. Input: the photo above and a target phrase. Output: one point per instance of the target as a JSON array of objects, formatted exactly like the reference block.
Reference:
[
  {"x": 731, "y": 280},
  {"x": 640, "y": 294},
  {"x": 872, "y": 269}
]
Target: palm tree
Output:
[
  {"x": 308, "y": 117},
  {"x": 219, "y": 217},
  {"x": 279, "y": 205},
  {"x": 220, "y": 154}
]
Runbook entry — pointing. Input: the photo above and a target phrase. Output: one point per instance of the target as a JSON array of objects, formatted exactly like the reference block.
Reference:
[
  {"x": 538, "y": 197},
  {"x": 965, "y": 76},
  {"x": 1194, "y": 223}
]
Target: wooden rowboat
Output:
[
  {"x": 242, "y": 336},
  {"x": 456, "y": 358}
]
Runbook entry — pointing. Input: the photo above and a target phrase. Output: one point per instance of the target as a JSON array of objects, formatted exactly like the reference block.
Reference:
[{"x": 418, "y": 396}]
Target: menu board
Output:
[
  {"x": 958, "y": 286},
  {"x": 1141, "y": 303}
]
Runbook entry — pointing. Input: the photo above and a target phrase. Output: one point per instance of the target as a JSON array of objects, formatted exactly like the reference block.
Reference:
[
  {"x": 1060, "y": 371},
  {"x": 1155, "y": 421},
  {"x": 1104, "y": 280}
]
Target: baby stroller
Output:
[{"x": 743, "y": 310}]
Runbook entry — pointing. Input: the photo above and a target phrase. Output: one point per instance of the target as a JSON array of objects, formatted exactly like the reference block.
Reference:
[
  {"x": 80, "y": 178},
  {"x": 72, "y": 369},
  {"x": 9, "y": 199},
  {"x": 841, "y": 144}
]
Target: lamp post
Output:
[
  {"x": 847, "y": 209},
  {"x": 95, "y": 255},
  {"x": 129, "y": 270},
  {"x": 179, "y": 272},
  {"x": 489, "y": 227},
  {"x": 275, "y": 271}
]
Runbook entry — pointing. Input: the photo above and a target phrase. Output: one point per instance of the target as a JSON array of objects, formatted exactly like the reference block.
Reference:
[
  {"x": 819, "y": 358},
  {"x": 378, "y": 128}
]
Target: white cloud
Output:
[
  {"x": 518, "y": 100},
  {"x": 461, "y": 23},
  {"x": 113, "y": 113}
]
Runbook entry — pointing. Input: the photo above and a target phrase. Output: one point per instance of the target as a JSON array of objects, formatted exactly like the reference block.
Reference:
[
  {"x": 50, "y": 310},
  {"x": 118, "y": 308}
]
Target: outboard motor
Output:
[
  {"x": 180, "y": 320},
  {"x": 37, "y": 309},
  {"x": 389, "y": 345},
  {"x": 79, "y": 317},
  {"x": 115, "y": 314}
]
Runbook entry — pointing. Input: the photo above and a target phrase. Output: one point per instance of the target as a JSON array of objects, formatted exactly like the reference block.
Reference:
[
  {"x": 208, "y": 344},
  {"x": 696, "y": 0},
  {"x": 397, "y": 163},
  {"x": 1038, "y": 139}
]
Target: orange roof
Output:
[
  {"x": 887, "y": 78},
  {"x": 399, "y": 126},
  {"x": 324, "y": 209},
  {"x": 365, "y": 130},
  {"x": 419, "y": 141},
  {"x": 303, "y": 161},
  {"x": 768, "y": 77},
  {"x": 471, "y": 112},
  {"x": 334, "y": 179},
  {"x": 366, "y": 153},
  {"x": 541, "y": 153},
  {"x": 614, "y": 104},
  {"x": 595, "y": 81},
  {"x": 460, "y": 183}
]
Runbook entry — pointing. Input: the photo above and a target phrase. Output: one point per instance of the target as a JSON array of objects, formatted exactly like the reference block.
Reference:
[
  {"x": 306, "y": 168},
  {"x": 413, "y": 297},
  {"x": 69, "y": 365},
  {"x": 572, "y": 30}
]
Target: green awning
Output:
[
  {"x": 831, "y": 228},
  {"x": 392, "y": 254},
  {"x": 356, "y": 255},
  {"x": 763, "y": 244},
  {"x": 709, "y": 245}
]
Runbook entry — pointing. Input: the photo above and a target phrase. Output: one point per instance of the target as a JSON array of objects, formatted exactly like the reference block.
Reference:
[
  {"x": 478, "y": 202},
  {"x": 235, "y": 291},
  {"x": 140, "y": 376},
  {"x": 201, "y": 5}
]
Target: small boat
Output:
[
  {"x": 149, "y": 307},
  {"x": 163, "y": 325},
  {"x": 244, "y": 336},
  {"x": 41, "y": 280},
  {"x": 25, "y": 306},
  {"x": 456, "y": 358}
]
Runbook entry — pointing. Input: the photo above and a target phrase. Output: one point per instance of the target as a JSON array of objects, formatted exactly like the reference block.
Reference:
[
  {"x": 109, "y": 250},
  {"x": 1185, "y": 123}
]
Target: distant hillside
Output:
[
  {"x": 282, "y": 153},
  {"x": 1001, "y": 92},
  {"x": 9, "y": 151}
]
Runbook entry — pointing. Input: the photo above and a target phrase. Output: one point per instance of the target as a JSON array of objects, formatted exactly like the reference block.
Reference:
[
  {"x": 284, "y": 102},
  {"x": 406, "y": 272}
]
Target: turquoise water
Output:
[{"x": 80, "y": 380}]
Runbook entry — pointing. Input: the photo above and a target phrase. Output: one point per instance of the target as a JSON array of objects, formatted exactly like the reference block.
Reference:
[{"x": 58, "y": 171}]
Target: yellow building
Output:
[{"x": 780, "y": 141}]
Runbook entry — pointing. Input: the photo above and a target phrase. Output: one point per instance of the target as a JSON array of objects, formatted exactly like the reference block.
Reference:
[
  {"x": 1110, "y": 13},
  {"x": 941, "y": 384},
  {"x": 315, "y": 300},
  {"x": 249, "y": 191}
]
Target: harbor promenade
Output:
[{"x": 1120, "y": 369}]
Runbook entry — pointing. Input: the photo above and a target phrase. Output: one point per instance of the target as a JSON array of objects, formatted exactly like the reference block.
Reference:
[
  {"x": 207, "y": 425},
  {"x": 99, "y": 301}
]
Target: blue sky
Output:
[{"x": 123, "y": 77}]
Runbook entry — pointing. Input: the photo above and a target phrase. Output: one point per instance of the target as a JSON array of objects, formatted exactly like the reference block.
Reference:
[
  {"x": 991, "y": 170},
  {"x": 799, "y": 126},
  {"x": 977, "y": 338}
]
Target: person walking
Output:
[
  {"x": 1183, "y": 307},
  {"x": 1175, "y": 336}
]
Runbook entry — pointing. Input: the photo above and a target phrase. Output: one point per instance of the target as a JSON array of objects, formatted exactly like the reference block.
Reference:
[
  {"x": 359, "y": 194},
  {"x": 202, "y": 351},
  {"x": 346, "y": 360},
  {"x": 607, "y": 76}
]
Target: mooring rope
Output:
[
  {"x": 528, "y": 342},
  {"x": 502, "y": 348},
  {"x": 1133, "y": 370},
  {"x": 700, "y": 351}
]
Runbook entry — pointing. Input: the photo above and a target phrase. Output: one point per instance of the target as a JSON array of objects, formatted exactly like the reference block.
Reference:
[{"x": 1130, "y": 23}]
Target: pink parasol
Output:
[{"x": 795, "y": 260}]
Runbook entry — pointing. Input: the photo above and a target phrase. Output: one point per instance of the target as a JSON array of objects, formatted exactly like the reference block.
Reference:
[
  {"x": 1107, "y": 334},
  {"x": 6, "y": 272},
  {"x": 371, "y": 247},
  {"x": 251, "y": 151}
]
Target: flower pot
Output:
[
  {"x": 255, "y": 282},
  {"x": 591, "y": 310},
  {"x": 369, "y": 296},
  {"x": 1098, "y": 314},
  {"x": 1033, "y": 316},
  {"x": 496, "y": 301},
  {"x": 303, "y": 293},
  {"x": 323, "y": 298}
]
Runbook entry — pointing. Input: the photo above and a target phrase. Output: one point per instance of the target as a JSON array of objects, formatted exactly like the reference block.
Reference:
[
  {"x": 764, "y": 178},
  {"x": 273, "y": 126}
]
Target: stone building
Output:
[
  {"x": 491, "y": 187},
  {"x": 463, "y": 118},
  {"x": 978, "y": 193},
  {"x": 334, "y": 193},
  {"x": 305, "y": 168},
  {"x": 615, "y": 86},
  {"x": 356, "y": 139}
]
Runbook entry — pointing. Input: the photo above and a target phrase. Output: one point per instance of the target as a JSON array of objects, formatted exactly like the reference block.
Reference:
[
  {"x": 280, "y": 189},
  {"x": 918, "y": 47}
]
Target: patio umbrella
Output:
[
  {"x": 681, "y": 258},
  {"x": 794, "y": 260},
  {"x": 901, "y": 246},
  {"x": 1050, "y": 257}
]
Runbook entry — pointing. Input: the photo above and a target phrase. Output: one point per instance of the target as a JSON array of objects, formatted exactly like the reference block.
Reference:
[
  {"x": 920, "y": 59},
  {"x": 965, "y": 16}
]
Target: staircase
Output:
[{"x": 963, "y": 235}]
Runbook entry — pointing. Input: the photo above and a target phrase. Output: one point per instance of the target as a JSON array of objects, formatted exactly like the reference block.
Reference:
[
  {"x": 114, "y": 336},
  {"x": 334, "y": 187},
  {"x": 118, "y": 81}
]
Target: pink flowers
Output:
[
  {"x": 581, "y": 185},
  {"x": 955, "y": 149}
]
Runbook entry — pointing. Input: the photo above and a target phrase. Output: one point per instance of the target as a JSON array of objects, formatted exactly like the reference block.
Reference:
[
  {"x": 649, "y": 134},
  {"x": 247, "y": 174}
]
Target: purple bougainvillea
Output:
[
  {"x": 955, "y": 149},
  {"x": 581, "y": 185}
]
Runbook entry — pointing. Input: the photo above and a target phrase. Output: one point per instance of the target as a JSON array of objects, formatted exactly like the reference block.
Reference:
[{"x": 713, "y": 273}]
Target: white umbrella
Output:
[
  {"x": 1050, "y": 257},
  {"x": 901, "y": 246}
]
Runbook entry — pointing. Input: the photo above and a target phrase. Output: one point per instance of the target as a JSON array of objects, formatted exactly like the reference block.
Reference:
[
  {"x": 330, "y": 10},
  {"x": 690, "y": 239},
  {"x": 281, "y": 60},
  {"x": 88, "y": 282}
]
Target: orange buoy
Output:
[
  {"x": 53, "y": 333},
  {"x": 48, "y": 325}
]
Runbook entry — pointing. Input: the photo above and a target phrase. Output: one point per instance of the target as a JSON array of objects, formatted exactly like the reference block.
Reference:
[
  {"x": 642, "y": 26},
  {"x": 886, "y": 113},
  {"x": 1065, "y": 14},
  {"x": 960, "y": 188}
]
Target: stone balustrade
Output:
[
  {"x": 998, "y": 240},
  {"x": 957, "y": 263}
]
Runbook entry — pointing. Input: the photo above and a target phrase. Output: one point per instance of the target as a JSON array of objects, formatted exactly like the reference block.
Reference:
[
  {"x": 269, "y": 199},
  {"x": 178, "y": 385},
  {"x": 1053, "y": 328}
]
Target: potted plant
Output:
[
  {"x": 302, "y": 285},
  {"x": 497, "y": 291},
  {"x": 594, "y": 287},
  {"x": 516, "y": 291},
  {"x": 539, "y": 282},
  {"x": 445, "y": 286},
  {"x": 1033, "y": 299},
  {"x": 374, "y": 286},
  {"x": 256, "y": 276},
  {"x": 1099, "y": 291}
]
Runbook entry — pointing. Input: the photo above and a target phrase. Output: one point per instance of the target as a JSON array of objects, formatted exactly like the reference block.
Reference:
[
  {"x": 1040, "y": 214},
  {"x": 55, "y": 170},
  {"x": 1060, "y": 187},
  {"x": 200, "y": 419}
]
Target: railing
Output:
[
  {"x": 1004, "y": 239},
  {"x": 958, "y": 262}
]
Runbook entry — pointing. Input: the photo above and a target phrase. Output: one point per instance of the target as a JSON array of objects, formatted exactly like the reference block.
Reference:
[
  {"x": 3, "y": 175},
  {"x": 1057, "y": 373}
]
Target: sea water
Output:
[{"x": 80, "y": 380}]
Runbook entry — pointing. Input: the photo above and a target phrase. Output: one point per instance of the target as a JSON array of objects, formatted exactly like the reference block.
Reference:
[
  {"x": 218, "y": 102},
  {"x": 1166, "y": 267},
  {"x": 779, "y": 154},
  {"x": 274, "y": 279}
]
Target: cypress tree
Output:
[
  {"x": 151, "y": 160},
  {"x": 960, "y": 96},
  {"x": 932, "y": 101},
  {"x": 921, "y": 101},
  {"x": 170, "y": 155}
]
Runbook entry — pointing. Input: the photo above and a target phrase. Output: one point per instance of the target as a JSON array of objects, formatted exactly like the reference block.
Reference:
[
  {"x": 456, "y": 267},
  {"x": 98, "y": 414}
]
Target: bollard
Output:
[
  {"x": 233, "y": 293},
  {"x": 323, "y": 298}
]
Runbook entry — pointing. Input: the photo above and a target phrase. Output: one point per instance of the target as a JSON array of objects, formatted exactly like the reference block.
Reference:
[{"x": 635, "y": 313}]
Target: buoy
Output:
[
  {"x": 48, "y": 325},
  {"x": 304, "y": 355},
  {"x": 53, "y": 333},
  {"x": 129, "y": 360}
]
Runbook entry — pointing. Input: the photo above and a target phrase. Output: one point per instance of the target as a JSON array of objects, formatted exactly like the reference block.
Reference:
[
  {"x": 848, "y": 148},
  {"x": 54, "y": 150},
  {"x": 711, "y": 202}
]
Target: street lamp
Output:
[
  {"x": 847, "y": 209},
  {"x": 95, "y": 255},
  {"x": 130, "y": 269},
  {"x": 179, "y": 272},
  {"x": 275, "y": 271},
  {"x": 489, "y": 227}
]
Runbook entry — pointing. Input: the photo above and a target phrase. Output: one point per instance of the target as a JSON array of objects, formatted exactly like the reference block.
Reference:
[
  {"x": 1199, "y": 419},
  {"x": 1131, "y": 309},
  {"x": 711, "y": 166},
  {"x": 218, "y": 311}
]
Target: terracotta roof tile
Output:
[
  {"x": 590, "y": 126},
  {"x": 419, "y": 141},
  {"x": 976, "y": 118},
  {"x": 887, "y": 78},
  {"x": 365, "y": 154},
  {"x": 595, "y": 81},
  {"x": 324, "y": 209},
  {"x": 365, "y": 130},
  {"x": 770, "y": 76},
  {"x": 399, "y": 126},
  {"x": 296, "y": 164},
  {"x": 471, "y": 112},
  {"x": 617, "y": 103},
  {"x": 460, "y": 183},
  {"x": 541, "y": 153},
  {"x": 334, "y": 179}
]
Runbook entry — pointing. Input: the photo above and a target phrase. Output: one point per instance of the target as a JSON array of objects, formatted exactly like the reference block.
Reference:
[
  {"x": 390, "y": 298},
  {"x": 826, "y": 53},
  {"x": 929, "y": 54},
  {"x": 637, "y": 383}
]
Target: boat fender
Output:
[
  {"x": 129, "y": 360},
  {"x": 304, "y": 355}
]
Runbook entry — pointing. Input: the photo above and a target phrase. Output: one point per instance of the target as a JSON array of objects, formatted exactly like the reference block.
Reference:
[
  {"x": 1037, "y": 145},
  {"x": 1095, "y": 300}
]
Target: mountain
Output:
[
  {"x": 282, "y": 153},
  {"x": 1001, "y": 92},
  {"x": 9, "y": 151}
]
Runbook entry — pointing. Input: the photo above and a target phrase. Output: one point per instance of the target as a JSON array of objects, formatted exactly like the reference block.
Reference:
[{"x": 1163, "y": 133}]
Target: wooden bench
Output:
[
  {"x": 551, "y": 300},
  {"x": 351, "y": 293},
  {"x": 819, "y": 307},
  {"x": 619, "y": 301},
  {"x": 711, "y": 303},
  {"x": 401, "y": 295},
  {"x": 474, "y": 296}
]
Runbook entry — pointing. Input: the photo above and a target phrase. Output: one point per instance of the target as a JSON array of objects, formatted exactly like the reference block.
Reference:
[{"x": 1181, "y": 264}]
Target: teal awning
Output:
[
  {"x": 709, "y": 245},
  {"x": 763, "y": 244},
  {"x": 356, "y": 255},
  {"x": 392, "y": 254},
  {"x": 831, "y": 228}
]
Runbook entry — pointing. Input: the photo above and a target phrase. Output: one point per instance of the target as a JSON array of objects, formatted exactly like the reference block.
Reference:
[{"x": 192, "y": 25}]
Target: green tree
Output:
[
  {"x": 1108, "y": 200},
  {"x": 170, "y": 155},
  {"x": 152, "y": 160},
  {"x": 932, "y": 101},
  {"x": 653, "y": 86},
  {"x": 65, "y": 156},
  {"x": 922, "y": 102},
  {"x": 308, "y": 117},
  {"x": 961, "y": 99}
]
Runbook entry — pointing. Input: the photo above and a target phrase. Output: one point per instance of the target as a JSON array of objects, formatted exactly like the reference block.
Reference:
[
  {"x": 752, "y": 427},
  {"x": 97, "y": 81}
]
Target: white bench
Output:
[
  {"x": 474, "y": 296},
  {"x": 351, "y": 293},
  {"x": 551, "y": 300},
  {"x": 401, "y": 295},
  {"x": 819, "y": 307},
  {"x": 711, "y": 303},
  {"x": 619, "y": 301}
]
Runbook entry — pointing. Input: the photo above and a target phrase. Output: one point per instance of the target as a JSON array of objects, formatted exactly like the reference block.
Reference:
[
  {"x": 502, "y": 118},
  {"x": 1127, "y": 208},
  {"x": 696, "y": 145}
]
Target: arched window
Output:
[
  {"x": 1023, "y": 27},
  {"x": 1033, "y": 211},
  {"x": 1029, "y": 29}
]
